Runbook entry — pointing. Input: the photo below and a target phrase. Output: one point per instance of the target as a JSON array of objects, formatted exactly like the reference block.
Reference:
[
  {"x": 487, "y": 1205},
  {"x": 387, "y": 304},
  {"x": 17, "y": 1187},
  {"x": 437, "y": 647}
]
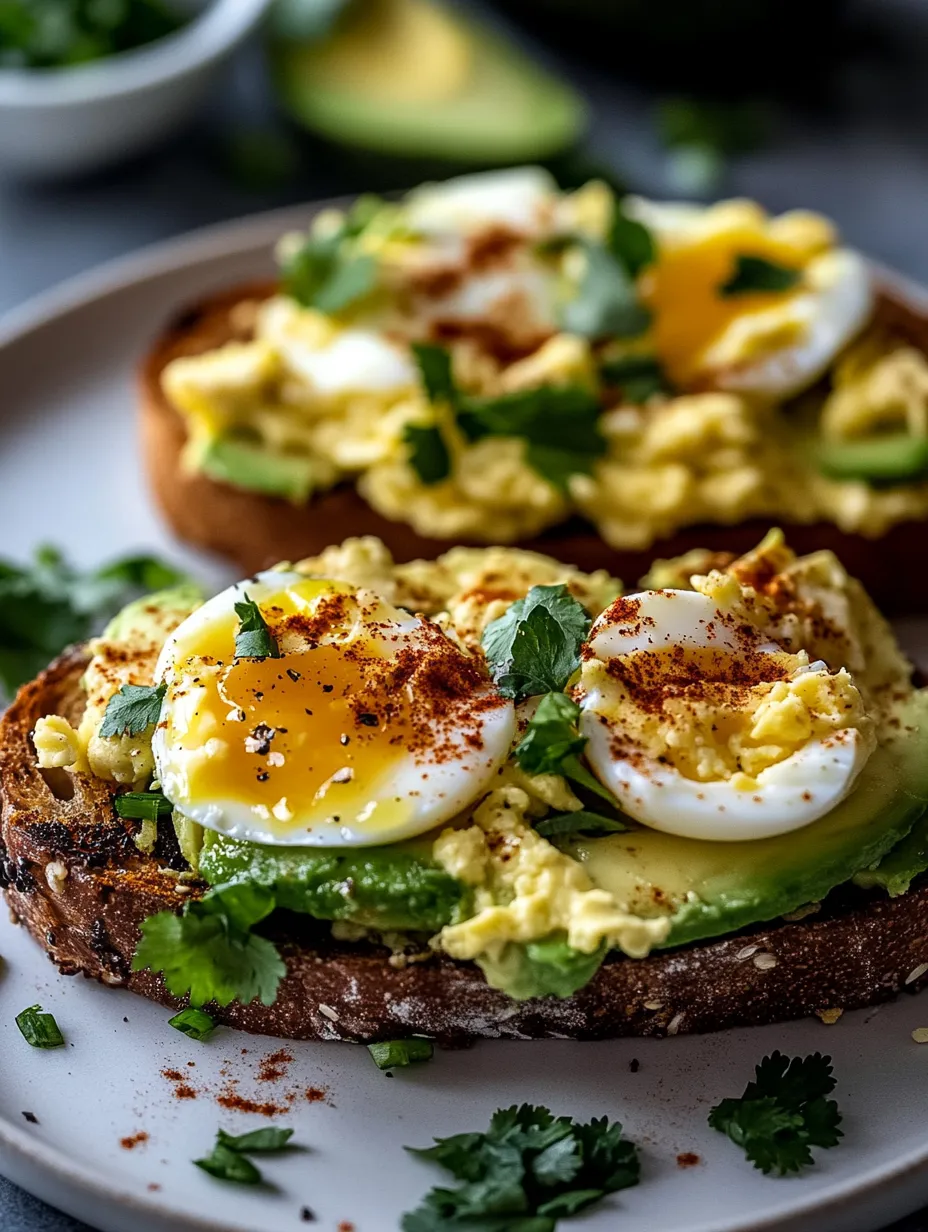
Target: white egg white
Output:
[
  {"x": 414, "y": 794},
  {"x": 517, "y": 198},
  {"x": 790, "y": 794},
  {"x": 833, "y": 306},
  {"x": 353, "y": 361}
]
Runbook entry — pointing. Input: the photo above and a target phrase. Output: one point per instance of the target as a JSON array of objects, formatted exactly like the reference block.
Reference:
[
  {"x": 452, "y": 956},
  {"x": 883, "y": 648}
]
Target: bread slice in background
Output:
[{"x": 254, "y": 530}]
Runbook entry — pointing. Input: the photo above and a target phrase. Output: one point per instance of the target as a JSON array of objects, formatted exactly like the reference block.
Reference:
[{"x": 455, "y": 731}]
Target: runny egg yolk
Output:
[
  {"x": 353, "y": 731},
  {"x": 683, "y": 291}
]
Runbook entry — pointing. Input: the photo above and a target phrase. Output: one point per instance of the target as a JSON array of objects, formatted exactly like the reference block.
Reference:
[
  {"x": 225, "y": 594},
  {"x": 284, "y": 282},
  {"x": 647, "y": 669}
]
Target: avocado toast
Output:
[
  {"x": 442, "y": 370},
  {"x": 519, "y": 897}
]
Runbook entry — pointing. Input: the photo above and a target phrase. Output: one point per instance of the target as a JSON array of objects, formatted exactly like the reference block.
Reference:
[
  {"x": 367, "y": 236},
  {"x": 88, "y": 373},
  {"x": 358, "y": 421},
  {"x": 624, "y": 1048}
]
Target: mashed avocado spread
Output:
[
  {"x": 491, "y": 356},
  {"x": 543, "y": 875}
]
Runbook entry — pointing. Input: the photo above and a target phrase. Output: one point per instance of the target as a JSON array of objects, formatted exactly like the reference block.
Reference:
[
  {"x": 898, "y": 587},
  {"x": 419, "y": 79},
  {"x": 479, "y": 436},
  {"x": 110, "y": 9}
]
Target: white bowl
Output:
[{"x": 66, "y": 121}]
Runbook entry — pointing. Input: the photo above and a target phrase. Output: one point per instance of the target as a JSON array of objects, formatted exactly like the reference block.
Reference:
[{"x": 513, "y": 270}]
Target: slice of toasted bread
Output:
[
  {"x": 255, "y": 530},
  {"x": 75, "y": 879}
]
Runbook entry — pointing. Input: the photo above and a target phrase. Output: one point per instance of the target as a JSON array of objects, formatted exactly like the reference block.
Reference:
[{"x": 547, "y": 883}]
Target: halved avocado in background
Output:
[{"x": 412, "y": 78}]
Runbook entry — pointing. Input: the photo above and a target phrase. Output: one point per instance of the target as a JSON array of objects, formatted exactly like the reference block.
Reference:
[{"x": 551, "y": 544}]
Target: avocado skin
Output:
[{"x": 394, "y": 888}]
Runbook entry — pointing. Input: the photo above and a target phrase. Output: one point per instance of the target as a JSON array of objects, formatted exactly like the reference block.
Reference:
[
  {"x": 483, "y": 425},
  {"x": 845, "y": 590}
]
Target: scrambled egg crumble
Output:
[{"x": 525, "y": 889}]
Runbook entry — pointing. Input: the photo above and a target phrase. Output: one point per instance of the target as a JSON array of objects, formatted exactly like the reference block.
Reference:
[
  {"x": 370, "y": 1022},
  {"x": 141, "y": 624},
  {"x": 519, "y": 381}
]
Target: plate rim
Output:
[{"x": 124, "y": 273}]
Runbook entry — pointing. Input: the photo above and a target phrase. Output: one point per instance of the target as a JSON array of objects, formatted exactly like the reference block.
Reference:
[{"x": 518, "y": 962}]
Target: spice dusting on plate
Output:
[
  {"x": 274, "y": 1066},
  {"x": 688, "y": 1159},
  {"x": 130, "y": 1142}
]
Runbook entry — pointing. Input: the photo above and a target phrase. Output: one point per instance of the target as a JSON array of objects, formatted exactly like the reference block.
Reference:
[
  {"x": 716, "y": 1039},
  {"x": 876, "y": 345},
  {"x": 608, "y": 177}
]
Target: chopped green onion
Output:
[
  {"x": 39, "y": 1029},
  {"x": 195, "y": 1023},
  {"x": 143, "y": 805},
  {"x": 393, "y": 1053}
]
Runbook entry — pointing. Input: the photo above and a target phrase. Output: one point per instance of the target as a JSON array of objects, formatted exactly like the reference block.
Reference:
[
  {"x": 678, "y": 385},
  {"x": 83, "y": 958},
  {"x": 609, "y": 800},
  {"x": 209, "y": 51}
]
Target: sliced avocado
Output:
[
  {"x": 548, "y": 968},
  {"x": 246, "y": 465},
  {"x": 899, "y": 868},
  {"x": 415, "y": 78},
  {"x": 154, "y": 614},
  {"x": 880, "y": 460},
  {"x": 385, "y": 888},
  {"x": 710, "y": 888}
]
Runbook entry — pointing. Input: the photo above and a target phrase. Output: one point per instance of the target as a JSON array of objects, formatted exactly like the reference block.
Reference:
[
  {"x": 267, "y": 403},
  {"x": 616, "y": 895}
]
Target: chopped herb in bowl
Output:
[{"x": 62, "y": 33}]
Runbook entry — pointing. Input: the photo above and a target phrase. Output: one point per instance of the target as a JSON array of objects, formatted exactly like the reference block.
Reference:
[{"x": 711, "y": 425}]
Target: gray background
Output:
[{"x": 859, "y": 154}]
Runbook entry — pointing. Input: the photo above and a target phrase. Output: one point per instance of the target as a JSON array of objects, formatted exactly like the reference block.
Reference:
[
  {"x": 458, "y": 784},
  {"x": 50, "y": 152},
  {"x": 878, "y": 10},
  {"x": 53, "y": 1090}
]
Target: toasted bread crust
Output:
[
  {"x": 74, "y": 878},
  {"x": 255, "y": 531}
]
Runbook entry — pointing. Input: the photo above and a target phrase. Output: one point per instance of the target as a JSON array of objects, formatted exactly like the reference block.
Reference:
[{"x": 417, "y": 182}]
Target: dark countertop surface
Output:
[{"x": 858, "y": 153}]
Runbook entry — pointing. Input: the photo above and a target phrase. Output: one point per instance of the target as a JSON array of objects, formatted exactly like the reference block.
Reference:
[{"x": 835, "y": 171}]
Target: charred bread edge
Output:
[
  {"x": 74, "y": 878},
  {"x": 255, "y": 531}
]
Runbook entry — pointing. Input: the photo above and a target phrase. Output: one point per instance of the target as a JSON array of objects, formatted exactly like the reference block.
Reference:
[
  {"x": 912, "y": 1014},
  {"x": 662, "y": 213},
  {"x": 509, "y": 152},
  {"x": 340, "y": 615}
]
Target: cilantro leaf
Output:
[
  {"x": 551, "y": 744},
  {"x": 582, "y": 822},
  {"x": 254, "y": 639},
  {"x": 638, "y": 376},
  {"x": 536, "y": 640},
  {"x": 792, "y": 1082},
  {"x": 325, "y": 273},
  {"x": 752, "y": 274},
  {"x": 132, "y": 710},
  {"x": 606, "y": 301},
  {"x": 227, "y": 1159},
  {"x": 228, "y": 1165},
  {"x": 524, "y": 1173},
  {"x": 543, "y": 658},
  {"x": 210, "y": 954},
  {"x": 428, "y": 453},
  {"x": 782, "y": 1113},
  {"x": 631, "y": 243},
  {"x": 270, "y": 1138},
  {"x": 559, "y": 423},
  {"x": 435, "y": 372},
  {"x": 47, "y": 605}
]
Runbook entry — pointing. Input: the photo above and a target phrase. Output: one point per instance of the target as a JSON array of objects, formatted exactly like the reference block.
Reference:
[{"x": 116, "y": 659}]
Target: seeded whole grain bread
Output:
[
  {"x": 255, "y": 531},
  {"x": 74, "y": 878}
]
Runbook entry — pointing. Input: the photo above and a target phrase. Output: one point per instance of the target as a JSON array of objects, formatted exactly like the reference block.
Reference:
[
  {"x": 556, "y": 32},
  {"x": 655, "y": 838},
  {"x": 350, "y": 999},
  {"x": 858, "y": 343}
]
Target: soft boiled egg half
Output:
[
  {"x": 702, "y": 728},
  {"x": 770, "y": 343},
  {"x": 370, "y": 727}
]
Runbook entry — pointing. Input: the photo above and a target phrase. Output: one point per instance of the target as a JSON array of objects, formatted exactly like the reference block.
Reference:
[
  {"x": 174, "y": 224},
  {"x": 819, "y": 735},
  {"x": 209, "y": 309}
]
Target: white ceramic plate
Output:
[{"x": 69, "y": 474}]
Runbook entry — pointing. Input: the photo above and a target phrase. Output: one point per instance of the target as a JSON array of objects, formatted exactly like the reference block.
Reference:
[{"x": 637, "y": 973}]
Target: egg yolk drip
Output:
[
  {"x": 321, "y": 732},
  {"x": 683, "y": 291},
  {"x": 713, "y": 714}
]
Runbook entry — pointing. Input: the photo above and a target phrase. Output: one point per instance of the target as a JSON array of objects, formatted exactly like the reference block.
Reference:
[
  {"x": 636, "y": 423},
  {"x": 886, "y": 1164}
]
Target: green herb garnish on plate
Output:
[
  {"x": 524, "y": 1173},
  {"x": 39, "y": 1028},
  {"x": 393, "y": 1054},
  {"x": 783, "y": 1113},
  {"x": 228, "y": 1160}
]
